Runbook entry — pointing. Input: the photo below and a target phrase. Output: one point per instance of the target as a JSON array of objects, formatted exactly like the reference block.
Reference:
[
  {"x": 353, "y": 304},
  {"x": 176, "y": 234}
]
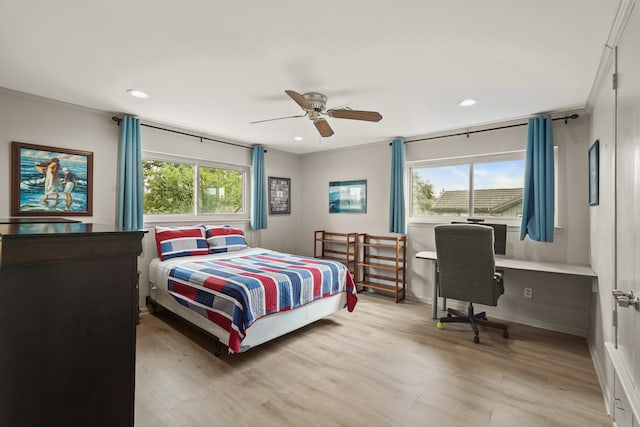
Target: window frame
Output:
[
  {"x": 469, "y": 160},
  {"x": 195, "y": 215}
]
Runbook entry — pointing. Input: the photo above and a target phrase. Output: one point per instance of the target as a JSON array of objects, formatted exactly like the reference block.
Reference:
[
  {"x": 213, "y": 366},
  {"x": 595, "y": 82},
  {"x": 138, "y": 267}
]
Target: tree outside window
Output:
[
  {"x": 168, "y": 187},
  {"x": 172, "y": 188},
  {"x": 220, "y": 191},
  {"x": 487, "y": 186}
]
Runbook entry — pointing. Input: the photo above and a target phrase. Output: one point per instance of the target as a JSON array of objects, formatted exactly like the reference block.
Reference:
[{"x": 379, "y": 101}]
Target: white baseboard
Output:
[
  {"x": 632, "y": 396},
  {"x": 602, "y": 377},
  {"x": 580, "y": 332}
]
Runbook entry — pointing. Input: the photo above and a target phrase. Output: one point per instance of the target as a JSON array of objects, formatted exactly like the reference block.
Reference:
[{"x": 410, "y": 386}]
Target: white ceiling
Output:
[{"x": 213, "y": 66}]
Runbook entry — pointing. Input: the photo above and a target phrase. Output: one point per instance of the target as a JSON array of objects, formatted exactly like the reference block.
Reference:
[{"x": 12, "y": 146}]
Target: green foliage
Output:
[
  {"x": 220, "y": 191},
  {"x": 168, "y": 187},
  {"x": 423, "y": 196}
]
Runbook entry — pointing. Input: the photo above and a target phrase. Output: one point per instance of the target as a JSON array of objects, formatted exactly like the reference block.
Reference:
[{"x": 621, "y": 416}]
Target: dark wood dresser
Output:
[{"x": 68, "y": 312}]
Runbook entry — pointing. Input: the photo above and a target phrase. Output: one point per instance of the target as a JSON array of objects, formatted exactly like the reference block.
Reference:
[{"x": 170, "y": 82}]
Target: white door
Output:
[{"x": 628, "y": 196}]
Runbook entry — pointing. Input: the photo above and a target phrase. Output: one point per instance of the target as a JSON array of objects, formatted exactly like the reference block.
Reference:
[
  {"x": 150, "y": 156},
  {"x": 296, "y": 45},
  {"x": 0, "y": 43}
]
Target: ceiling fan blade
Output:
[
  {"x": 370, "y": 116},
  {"x": 323, "y": 127},
  {"x": 278, "y": 118},
  {"x": 300, "y": 99}
]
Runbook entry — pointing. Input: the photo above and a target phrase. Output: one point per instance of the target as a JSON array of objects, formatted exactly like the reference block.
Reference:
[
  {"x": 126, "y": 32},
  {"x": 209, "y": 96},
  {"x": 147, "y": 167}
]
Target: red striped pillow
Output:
[
  {"x": 175, "y": 242},
  {"x": 224, "y": 238}
]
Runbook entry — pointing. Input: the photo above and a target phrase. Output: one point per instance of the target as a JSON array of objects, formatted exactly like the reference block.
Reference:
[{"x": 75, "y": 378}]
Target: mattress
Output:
[{"x": 249, "y": 296}]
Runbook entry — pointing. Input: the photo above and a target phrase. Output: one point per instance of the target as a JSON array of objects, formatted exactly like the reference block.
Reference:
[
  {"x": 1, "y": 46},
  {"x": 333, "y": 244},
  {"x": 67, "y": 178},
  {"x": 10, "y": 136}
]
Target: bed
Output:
[{"x": 241, "y": 295}]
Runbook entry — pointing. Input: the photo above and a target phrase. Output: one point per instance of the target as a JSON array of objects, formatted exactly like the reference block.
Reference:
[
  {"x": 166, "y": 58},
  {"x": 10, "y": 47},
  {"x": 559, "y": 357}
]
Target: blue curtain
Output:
[
  {"x": 130, "y": 202},
  {"x": 258, "y": 192},
  {"x": 538, "y": 200},
  {"x": 396, "y": 203}
]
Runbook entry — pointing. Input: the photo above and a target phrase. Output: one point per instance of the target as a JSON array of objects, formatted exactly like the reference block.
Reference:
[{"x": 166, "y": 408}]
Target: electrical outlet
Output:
[{"x": 528, "y": 292}]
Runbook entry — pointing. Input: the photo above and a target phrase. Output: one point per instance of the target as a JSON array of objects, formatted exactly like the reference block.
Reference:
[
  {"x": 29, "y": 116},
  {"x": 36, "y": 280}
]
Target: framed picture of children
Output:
[{"x": 50, "y": 181}]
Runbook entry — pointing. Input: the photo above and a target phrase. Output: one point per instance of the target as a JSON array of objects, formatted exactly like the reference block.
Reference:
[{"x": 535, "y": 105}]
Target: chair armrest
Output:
[{"x": 497, "y": 278}]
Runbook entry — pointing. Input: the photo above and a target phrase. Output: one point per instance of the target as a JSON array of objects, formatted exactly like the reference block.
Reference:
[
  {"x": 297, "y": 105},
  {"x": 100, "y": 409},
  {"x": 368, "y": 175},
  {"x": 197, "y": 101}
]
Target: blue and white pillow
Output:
[
  {"x": 224, "y": 238},
  {"x": 175, "y": 242}
]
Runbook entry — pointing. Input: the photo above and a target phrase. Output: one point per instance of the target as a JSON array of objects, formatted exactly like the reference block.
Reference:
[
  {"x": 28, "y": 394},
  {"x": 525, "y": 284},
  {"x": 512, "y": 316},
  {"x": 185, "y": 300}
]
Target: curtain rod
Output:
[
  {"x": 119, "y": 120},
  {"x": 565, "y": 118}
]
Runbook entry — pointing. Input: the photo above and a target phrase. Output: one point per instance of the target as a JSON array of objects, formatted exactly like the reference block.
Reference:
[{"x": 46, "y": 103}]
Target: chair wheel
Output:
[
  {"x": 505, "y": 334},
  {"x": 476, "y": 339}
]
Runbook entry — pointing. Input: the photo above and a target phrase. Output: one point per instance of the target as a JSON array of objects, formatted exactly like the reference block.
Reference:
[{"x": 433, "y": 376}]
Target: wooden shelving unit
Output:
[
  {"x": 382, "y": 264},
  {"x": 341, "y": 247}
]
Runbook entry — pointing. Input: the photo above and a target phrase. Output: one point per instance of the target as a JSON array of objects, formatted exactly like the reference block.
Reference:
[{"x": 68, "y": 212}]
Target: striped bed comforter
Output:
[{"x": 235, "y": 292}]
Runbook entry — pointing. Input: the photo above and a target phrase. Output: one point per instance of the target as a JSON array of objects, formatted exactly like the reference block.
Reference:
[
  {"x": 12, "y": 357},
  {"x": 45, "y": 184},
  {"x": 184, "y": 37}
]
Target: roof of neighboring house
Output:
[{"x": 493, "y": 200}]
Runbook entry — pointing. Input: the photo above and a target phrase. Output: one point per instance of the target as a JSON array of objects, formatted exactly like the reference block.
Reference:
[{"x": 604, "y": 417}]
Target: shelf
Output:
[
  {"x": 400, "y": 291},
  {"x": 341, "y": 247},
  {"x": 382, "y": 264}
]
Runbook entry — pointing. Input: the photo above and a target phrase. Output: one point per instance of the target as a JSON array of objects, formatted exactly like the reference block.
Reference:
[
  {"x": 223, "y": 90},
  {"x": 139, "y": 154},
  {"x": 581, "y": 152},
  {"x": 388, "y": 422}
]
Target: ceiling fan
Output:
[{"x": 314, "y": 105}]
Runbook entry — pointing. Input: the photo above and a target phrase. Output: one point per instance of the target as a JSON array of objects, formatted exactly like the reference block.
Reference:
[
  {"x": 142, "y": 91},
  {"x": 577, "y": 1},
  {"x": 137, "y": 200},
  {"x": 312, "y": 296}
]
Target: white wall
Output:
[
  {"x": 571, "y": 235},
  {"x": 372, "y": 163},
  {"x": 557, "y": 303},
  {"x": 604, "y": 252},
  {"x": 41, "y": 121},
  {"x": 613, "y": 246},
  {"x": 277, "y": 163},
  {"x": 282, "y": 231},
  {"x": 35, "y": 120},
  {"x": 560, "y": 303},
  {"x": 602, "y": 231}
]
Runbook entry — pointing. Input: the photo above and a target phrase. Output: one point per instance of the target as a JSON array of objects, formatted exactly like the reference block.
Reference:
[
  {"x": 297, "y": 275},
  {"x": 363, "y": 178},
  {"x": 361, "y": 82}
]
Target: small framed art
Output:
[
  {"x": 348, "y": 196},
  {"x": 279, "y": 195},
  {"x": 50, "y": 181},
  {"x": 594, "y": 173}
]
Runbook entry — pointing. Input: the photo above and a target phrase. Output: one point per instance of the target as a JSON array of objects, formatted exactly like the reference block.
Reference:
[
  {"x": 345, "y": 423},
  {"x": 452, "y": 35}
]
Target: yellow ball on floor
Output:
[{"x": 439, "y": 325}]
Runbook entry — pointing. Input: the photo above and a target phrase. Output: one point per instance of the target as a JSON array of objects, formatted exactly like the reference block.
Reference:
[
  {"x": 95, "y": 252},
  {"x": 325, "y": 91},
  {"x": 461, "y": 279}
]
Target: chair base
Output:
[{"x": 457, "y": 316}]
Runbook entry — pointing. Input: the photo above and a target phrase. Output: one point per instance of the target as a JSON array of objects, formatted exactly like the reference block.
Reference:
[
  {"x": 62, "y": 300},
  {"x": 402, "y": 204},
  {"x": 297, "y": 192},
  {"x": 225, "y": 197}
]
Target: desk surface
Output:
[
  {"x": 520, "y": 264},
  {"x": 515, "y": 264}
]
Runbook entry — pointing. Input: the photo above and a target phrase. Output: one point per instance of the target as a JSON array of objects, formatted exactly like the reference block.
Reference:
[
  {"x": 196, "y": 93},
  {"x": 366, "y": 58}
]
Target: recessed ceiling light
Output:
[
  {"x": 297, "y": 138},
  {"x": 137, "y": 93},
  {"x": 467, "y": 102}
]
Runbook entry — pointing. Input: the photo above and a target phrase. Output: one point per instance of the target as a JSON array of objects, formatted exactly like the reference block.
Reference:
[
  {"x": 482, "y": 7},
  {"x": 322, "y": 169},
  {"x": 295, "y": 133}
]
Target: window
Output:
[
  {"x": 487, "y": 186},
  {"x": 193, "y": 187},
  {"x": 168, "y": 187},
  {"x": 220, "y": 190}
]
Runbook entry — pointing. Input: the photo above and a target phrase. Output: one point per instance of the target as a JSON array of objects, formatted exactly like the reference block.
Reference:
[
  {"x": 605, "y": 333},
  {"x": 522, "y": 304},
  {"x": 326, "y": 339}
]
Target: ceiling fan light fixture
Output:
[
  {"x": 138, "y": 93},
  {"x": 467, "y": 102},
  {"x": 314, "y": 105}
]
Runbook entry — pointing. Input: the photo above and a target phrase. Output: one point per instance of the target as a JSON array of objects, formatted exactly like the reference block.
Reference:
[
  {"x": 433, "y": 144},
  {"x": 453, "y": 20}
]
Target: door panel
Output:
[{"x": 628, "y": 194}]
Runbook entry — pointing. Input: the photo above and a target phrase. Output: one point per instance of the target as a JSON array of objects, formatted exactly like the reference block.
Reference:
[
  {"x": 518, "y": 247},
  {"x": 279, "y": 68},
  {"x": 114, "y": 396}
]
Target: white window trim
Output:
[
  {"x": 470, "y": 159},
  {"x": 190, "y": 218}
]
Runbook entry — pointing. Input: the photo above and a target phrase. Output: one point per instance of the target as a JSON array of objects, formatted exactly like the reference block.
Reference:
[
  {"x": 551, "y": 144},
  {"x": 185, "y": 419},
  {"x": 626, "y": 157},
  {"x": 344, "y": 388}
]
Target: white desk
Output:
[{"x": 514, "y": 264}]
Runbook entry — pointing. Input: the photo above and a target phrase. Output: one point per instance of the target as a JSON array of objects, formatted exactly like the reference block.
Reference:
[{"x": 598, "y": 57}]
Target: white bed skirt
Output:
[{"x": 264, "y": 329}]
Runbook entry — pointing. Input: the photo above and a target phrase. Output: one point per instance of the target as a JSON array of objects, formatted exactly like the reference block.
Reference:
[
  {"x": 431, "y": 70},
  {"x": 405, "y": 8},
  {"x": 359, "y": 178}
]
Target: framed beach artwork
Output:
[
  {"x": 279, "y": 195},
  {"x": 594, "y": 174},
  {"x": 50, "y": 181},
  {"x": 348, "y": 196}
]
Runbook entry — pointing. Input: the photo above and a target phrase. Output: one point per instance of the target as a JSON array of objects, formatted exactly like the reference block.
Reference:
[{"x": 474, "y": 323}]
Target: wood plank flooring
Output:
[{"x": 384, "y": 364}]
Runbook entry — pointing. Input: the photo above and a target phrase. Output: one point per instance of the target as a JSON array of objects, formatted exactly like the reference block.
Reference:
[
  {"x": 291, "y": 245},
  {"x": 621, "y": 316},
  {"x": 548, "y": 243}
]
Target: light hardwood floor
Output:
[{"x": 385, "y": 364}]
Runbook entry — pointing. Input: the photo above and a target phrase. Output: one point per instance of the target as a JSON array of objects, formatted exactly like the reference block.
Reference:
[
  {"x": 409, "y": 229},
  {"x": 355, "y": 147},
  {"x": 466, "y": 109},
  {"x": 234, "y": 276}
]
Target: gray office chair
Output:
[{"x": 467, "y": 272}]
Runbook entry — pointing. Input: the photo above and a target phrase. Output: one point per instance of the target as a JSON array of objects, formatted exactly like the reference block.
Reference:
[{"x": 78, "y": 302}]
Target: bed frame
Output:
[{"x": 263, "y": 330}]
